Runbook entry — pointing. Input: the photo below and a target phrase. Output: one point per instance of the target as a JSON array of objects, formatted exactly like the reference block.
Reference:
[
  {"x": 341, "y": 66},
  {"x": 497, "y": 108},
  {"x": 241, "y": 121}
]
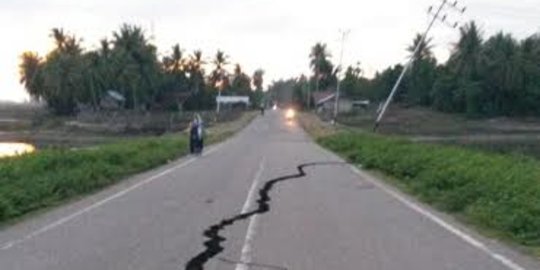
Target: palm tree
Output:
[
  {"x": 467, "y": 52},
  {"x": 424, "y": 50},
  {"x": 136, "y": 65},
  {"x": 464, "y": 68},
  {"x": 59, "y": 37},
  {"x": 423, "y": 71},
  {"x": 258, "y": 79},
  {"x": 322, "y": 67},
  {"x": 503, "y": 75},
  {"x": 176, "y": 58},
  {"x": 218, "y": 77},
  {"x": 30, "y": 72},
  {"x": 196, "y": 70},
  {"x": 221, "y": 60}
]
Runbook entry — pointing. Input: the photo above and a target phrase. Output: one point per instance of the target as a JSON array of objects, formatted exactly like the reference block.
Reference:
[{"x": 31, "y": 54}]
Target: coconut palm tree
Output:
[
  {"x": 502, "y": 72},
  {"x": 241, "y": 82},
  {"x": 467, "y": 53},
  {"x": 59, "y": 37},
  {"x": 137, "y": 68},
  {"x": 425, "y": 48},
  {"x": 423, "y": 72},
  {"x": 30, "y": 74},
  {"x": 196, "y": 70},
  {"x": 219, "y": 76},
  {"x": 258, "y": 79},
  {"x": 323, "y": 69}
]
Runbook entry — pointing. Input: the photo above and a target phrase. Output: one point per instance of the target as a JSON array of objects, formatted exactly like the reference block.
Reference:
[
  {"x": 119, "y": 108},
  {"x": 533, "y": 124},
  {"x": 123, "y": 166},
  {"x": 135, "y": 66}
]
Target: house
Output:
[
  {"x": 325, "y": 102},
  {"x": 233, "y": 101},
  {"x": 112, "y": 100}
]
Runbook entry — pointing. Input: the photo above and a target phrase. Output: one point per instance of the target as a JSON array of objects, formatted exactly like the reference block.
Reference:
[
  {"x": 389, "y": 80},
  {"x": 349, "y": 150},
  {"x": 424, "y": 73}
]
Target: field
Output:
[
  {"x": 501, "y": 135},
  {"x": 35, "y": 125}
]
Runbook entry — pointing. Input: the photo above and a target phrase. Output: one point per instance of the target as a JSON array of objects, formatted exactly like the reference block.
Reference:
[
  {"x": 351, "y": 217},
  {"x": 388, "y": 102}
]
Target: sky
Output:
[{"x": 275, "y": 35}]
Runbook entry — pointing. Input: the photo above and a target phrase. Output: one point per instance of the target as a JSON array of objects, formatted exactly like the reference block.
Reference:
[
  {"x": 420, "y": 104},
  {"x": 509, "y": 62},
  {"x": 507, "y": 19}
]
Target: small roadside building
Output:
[
  {"x": 233, "y": 101},
  {"x": 325, "y": 102}
]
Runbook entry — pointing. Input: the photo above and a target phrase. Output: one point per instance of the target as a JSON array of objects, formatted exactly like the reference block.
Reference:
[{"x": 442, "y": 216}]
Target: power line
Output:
[{"x": 437, "y": 16}]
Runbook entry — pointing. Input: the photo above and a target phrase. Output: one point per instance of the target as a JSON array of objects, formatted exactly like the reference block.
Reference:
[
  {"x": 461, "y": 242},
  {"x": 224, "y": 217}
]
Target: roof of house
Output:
[
  {"x": 323, "y": 97},
  {"x": 116, "y": 96}
]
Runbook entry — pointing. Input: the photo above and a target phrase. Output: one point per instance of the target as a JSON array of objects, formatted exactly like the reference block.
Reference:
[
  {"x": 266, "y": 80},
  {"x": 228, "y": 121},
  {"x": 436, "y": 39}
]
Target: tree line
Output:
[
  {"x": 69, "y": 76},
  {"x": 497, "y": 76}
]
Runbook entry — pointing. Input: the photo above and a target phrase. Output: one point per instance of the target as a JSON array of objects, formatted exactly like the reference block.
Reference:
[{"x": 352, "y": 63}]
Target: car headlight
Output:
[{"x": 290, "y": 114}]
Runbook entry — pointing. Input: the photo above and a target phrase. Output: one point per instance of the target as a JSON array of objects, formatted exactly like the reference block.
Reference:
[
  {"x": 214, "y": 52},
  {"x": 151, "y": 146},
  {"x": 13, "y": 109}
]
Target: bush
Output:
[
  {"x": 49, "y": 177},
  {"x": 497, "y": 192}
]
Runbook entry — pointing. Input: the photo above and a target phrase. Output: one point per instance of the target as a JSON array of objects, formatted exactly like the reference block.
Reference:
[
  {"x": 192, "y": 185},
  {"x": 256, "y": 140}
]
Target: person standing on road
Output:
[{"x": 196, "y": 142}]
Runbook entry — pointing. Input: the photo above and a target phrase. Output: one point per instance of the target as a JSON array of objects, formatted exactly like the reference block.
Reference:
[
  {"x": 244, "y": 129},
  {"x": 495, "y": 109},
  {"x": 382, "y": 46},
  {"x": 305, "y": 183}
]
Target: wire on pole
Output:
[{"x": 436, "y": 17}]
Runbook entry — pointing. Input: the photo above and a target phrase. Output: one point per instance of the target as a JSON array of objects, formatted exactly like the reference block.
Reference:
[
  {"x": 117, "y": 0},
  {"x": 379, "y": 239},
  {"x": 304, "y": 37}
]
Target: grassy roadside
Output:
[
  {"x": 499, "y": 194},
  {"x": 48, "y": 178}
]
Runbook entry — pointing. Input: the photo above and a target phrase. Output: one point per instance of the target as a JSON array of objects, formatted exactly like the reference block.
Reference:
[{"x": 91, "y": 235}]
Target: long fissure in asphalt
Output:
[{"x": 213, "y": 245}]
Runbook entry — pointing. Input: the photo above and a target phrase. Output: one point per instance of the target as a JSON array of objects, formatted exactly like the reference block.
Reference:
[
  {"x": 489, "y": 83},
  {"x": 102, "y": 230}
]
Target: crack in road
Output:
[{"x": 213, "y": 245}]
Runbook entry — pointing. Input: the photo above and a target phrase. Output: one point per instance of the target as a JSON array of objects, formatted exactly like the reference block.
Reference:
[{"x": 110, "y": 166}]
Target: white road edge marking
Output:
[
  {"x": 117, "y": 195},
  {"x": 245, "y": 257},
  {"x": 464, "y": 236}
]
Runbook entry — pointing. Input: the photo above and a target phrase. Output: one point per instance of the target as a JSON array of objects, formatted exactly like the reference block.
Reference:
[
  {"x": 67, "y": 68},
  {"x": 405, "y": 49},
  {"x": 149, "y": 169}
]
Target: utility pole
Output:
[
  {"x": 344, "y": 34},
  {"x": 436, "y": 16},
  {"x": 308, "y": 85},
  {"x": 220, "y": 89}
]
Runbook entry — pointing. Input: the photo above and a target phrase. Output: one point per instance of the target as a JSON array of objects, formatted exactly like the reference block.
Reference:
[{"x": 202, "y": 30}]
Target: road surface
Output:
[{"x": 269, "y": 198}]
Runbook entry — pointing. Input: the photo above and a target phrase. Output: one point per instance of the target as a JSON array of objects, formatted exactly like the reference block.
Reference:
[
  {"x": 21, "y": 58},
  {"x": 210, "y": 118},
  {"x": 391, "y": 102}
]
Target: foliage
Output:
[
  {"x": 482, "y": 78},
  {"x": 324, "y": 73},
  {"x": 282, "y": 91},
  {"x": 353, "y": 84},
  {"x": 44, "y": 179},
  {"x": 497, "y": 192},
  {"x": 69, "y": 76}
]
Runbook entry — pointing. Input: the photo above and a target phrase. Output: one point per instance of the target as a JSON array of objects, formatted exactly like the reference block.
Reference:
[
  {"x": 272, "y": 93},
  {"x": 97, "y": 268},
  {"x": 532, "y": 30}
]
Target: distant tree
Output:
[
  {"x": 219, "y": 77},
  {"x": 258, "y": 79},
  {"x": 31, "y": 75},
  {"x": 383, "y": 82},
  {"x": 528, "y": 101},
  {"x": 282, "y": 91},
  {"x": 69, "y": 77},
  {"x": 62, "y": 73},
  {"x": 324, "y": 73},
  {"x": 241, "y": 83},
  {"x": 354, "y": 84},
  {"x": 136, "y": 68},
  {"x": 422, "y": 75},
  {"x": 465, "y": 65},
  {"x": 258, "y": 95},
  {"x": 196, "y": 71}
]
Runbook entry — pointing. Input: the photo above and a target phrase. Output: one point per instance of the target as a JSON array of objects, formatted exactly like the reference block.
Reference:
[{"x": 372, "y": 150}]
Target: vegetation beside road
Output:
[
  {"x": 498, "y": 193},
  {"x": 50, "y": 177},
  {"x": 127, "y": 69}
]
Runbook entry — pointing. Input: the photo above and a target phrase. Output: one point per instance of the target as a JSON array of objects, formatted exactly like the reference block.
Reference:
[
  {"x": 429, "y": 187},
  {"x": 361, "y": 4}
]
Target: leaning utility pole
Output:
[
  {"x": 436, "y": 16},
  {"x": 344, "y": 34}
]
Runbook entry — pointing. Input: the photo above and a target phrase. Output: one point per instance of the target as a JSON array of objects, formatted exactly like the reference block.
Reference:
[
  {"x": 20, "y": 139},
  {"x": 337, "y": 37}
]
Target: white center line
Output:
[
  {"x": 62, "y": 221},
  {"x": 245, "y": 257}
]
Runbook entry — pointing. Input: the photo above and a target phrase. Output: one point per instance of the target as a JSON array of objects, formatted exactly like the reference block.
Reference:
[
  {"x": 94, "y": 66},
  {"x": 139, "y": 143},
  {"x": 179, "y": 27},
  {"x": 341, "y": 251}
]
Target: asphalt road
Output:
[{"x": 269, "y": 198}]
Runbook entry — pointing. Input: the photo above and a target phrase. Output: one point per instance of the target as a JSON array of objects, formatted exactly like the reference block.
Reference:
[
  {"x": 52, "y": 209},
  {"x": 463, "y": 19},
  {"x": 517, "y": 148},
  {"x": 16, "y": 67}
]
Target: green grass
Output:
[
  {"x": 47, "y": 178},
  {"x": 499, "y": 193}
]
